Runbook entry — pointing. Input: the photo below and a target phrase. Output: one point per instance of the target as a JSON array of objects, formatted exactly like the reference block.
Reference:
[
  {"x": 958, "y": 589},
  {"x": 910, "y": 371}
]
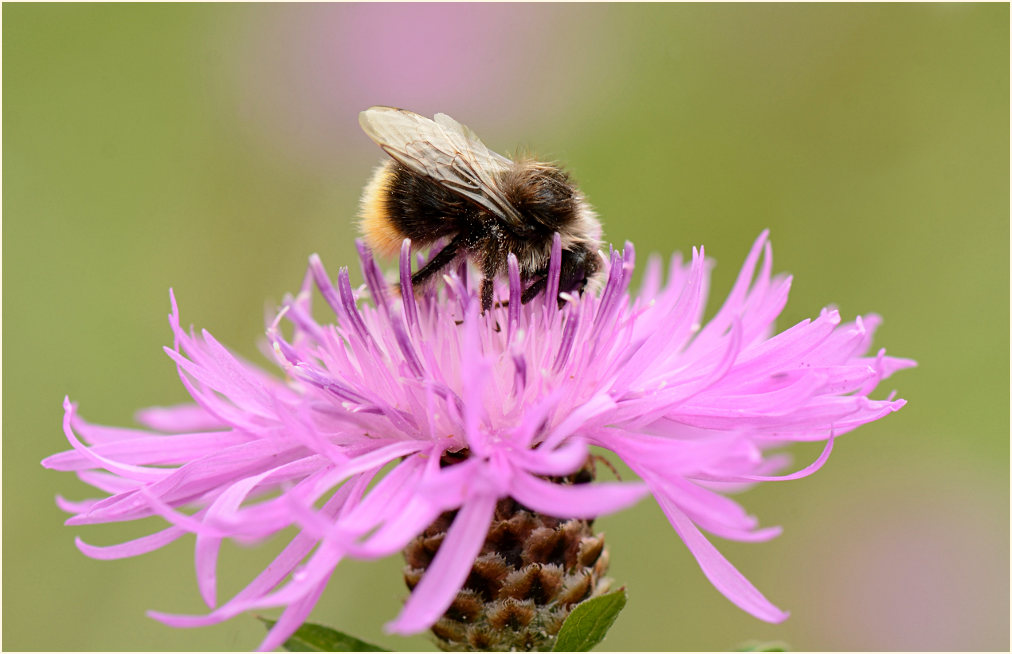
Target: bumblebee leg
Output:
[
  {"x": 534, "y": 290},
  {"x": 487, "y": 289},
  {"x": 572, "y": 277},
  {"x": 573, "y": 273},
  {"x": 490, "y": 268},
  {"x": 442, "y": 259}
]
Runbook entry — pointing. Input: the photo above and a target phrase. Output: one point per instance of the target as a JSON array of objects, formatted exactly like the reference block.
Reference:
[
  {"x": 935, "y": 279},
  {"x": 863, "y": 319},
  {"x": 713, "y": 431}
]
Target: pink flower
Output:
[{"x": 522, "y": 392}]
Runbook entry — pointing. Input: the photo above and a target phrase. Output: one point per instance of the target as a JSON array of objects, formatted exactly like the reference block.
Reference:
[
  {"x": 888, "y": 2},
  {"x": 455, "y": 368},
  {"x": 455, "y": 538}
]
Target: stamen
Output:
[
  {"x": 350, "y": 307},
  {"x": 330, "y": 294},
  {"x": 406, "y": 346},
  {"x": 378, "y": 287},
  {"x": 609, "y": 299},
  {"x": 568, "y": 338},
  {"x": 407, "y": 292},
  {"x": 554, "y": 275},
  {"x": 513, "y": 311}
]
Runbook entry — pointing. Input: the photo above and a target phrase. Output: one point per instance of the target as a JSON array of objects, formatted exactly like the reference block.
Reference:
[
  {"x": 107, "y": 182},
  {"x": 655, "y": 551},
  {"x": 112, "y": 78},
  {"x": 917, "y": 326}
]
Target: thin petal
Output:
[
  {"x": 445, "y": 576},
  {"x": 135, "y": 547},
  {"x": 719, "y": 571},
  {"x": 810, "y": 469},
  {"x": 583, "y": 501},
  {"x": 275, "y": 572},
  {"x": 292, "y": 618},
  {"x": 139, "y": 473},
  {"x": 563, "y": 460},
  {"x": 181, "y": 418}
]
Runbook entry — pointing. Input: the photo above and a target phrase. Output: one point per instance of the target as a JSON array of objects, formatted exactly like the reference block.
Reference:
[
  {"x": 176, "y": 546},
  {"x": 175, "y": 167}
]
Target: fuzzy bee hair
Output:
[{"x": 443, "y": 183}]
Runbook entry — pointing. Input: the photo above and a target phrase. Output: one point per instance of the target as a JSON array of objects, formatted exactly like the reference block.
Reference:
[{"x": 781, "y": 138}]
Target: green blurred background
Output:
[{"x": 212, "y": 149}]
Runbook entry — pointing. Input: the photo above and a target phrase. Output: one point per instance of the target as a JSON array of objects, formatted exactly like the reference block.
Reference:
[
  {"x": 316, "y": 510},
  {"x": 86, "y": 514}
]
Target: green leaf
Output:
[
  {"x": 317, "y": 638},
  {"x": 758, "y": 646},
  {"x": 587, "y": 625}
]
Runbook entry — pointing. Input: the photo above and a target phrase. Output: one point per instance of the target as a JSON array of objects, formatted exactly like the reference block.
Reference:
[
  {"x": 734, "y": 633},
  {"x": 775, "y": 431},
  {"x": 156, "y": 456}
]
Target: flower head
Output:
[{"x": 513, "y": 398}]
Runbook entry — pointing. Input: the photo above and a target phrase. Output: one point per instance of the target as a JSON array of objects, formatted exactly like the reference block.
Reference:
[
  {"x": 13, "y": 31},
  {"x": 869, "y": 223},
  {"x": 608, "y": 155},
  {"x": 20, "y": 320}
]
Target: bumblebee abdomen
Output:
[{"x": 398, "y": 204}]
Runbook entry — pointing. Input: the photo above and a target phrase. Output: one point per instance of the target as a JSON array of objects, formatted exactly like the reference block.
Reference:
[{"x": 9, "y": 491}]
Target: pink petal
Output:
[
  {"x": 449, "y": 568},
  {"x": 563, "y": 460},
  {"x": 147, "y": 449},
  {"x": 181, "y": 418},
  {"x": 133, "y": 472},
  {"x": 804, "y": 472},
  {"x": 577, "y": 501},
  {"x": 135, "y": 547},
  {"x": 275, "y": 572},
  {"x": 718, "y": 570},
  {"x": 292, "y": 618}
]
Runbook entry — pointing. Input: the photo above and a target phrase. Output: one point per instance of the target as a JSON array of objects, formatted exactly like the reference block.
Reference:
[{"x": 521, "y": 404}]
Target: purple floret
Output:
[{"x": 519, "y": 393}]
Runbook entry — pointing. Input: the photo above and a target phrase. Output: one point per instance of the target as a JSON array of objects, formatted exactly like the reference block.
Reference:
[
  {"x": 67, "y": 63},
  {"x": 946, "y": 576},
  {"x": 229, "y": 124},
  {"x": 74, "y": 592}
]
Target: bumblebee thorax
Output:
[{"x": 542, "y": 194}]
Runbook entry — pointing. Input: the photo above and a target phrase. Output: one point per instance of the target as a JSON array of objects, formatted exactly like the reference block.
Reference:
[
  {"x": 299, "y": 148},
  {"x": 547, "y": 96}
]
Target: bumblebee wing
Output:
[{"x": 444, "y": 151}]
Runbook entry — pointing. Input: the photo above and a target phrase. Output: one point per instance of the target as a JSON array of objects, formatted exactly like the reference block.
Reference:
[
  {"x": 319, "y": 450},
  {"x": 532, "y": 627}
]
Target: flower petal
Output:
[
  {"x": 718, "y": 570},
  {"x": 449, "y": 568},
  {"x": 292, "y": 618},
  {"x": 577, "y": 501}
]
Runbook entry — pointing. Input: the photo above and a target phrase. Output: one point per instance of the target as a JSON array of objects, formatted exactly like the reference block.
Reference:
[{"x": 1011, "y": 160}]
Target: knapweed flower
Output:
[{"x": 482, "y": 424}]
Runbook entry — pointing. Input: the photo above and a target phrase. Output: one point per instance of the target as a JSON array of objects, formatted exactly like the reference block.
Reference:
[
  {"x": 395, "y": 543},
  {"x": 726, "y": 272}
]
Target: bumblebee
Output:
[{"x": 443, "y": 183}]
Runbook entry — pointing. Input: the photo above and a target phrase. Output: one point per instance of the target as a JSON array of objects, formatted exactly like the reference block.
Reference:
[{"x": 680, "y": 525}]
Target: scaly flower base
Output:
[{"x": 531, "y": 572}]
